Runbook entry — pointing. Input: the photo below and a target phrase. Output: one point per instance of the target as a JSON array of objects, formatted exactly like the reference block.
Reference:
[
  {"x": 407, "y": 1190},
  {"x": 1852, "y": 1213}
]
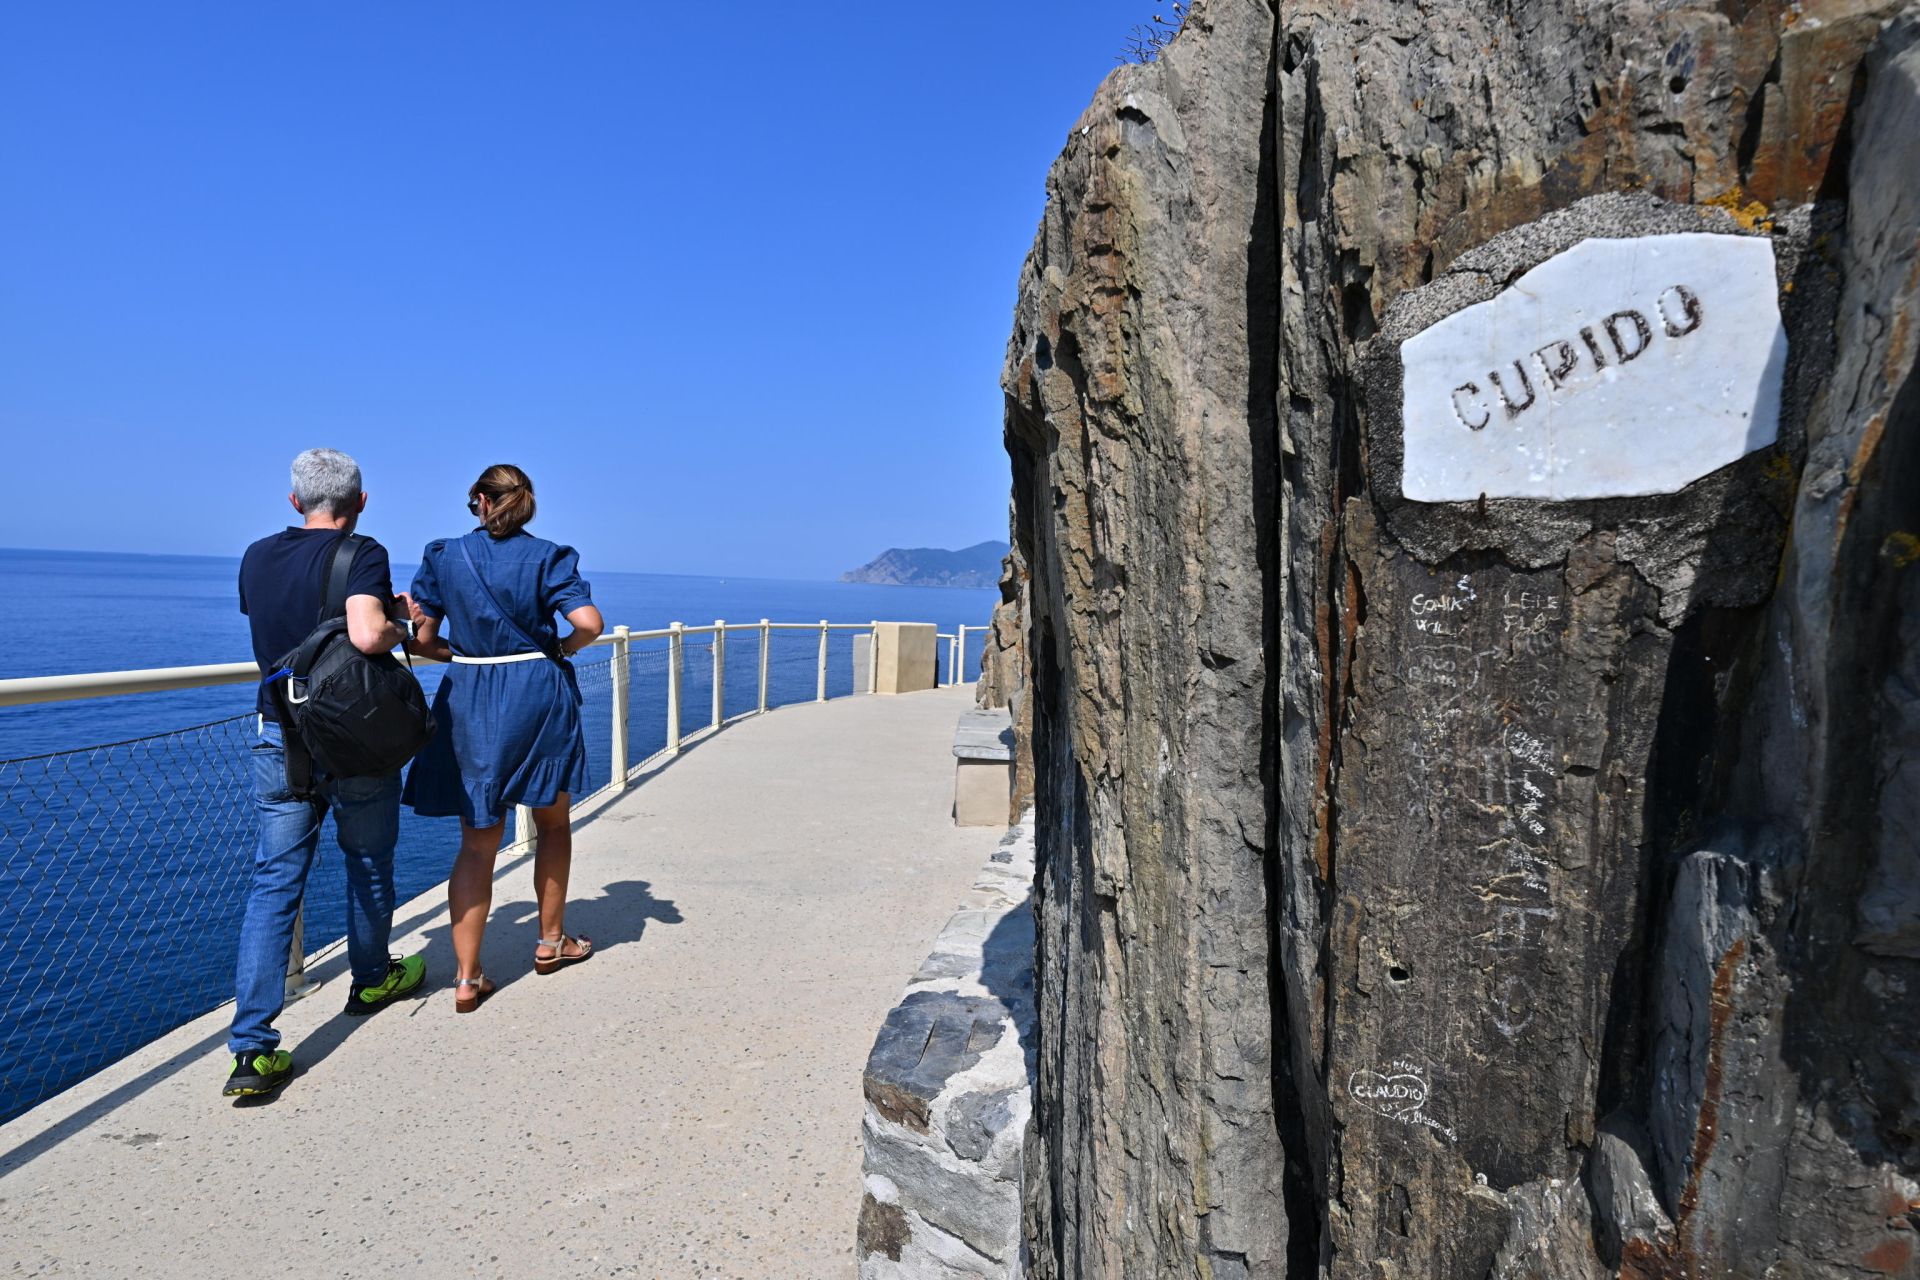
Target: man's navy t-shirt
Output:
[{"x": 281, "y": 578}]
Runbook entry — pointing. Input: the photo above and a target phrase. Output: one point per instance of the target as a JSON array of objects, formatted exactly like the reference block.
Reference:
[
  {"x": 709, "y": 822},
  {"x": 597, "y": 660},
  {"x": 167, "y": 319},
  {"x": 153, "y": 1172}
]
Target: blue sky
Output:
[{"x": 731, "y": 281}]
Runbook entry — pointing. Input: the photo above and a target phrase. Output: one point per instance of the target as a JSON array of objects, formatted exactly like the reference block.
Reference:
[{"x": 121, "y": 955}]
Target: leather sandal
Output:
[
  {"x": 557, "y": 961},
  {"x": 469, "y": 992}
]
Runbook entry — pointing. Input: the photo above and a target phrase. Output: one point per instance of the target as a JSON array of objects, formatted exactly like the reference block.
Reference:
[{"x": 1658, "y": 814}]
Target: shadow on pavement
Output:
[{"x": 618, "y": 914}]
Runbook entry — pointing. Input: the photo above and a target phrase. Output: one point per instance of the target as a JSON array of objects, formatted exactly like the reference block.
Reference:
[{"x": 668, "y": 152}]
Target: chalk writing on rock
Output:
[
  {"x": 1511, "y": 1006},
  {"x": 1399, "y": 1090},
  {"x": 1486, "y": 772},
  {"x": 1522, "y": 781},
  {"x": 1617, "y": 368}
]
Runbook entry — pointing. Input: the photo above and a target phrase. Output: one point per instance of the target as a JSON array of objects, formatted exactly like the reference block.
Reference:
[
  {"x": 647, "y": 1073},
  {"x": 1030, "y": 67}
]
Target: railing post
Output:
[
  {"x": 959, "y": 651},
  {"x": 766, "y": 634},
  {"x": 297, "y": 982},
  {"x": 675, "y": 644},
  {"x": 873, "y": 657},
  {"x": 621, "y": 700},
  {"x": 719, "y": 672},
  {"x": 953, "y": 657},
  {"x": 821, "y": 694},
  {"x": 523, "y": 825}
]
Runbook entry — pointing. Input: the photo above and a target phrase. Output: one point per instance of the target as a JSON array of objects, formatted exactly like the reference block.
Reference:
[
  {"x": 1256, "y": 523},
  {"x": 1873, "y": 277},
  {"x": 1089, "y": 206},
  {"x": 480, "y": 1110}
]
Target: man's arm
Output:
[{"x": 369, "y": 627}]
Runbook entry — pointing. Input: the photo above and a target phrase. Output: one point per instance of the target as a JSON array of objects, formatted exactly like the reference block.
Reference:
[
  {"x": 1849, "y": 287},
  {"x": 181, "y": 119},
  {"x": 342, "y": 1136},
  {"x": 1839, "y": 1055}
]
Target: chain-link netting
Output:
[
  {"x": 125, "y": 867},
  {"x": 793, "y": 671}
]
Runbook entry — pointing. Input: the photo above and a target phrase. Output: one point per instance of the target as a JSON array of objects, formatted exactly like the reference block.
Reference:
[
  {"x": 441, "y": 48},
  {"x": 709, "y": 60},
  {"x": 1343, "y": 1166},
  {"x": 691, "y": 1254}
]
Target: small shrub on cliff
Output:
[{"x": 1146, "y": 40}]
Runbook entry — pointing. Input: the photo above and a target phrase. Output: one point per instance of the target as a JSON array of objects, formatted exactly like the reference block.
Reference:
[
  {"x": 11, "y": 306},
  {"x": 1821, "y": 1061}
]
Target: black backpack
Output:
[{"x": 351, "y": 714}]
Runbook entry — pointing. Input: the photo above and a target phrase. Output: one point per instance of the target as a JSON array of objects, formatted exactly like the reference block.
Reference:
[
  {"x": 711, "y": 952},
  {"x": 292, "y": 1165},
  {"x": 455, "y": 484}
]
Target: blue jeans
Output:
[{"x": 366, "y": 815}]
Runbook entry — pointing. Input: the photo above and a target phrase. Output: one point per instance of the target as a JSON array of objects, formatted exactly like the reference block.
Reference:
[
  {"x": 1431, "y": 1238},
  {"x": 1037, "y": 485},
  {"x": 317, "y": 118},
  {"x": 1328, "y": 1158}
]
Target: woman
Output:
[{"x": 508, "y": 711}]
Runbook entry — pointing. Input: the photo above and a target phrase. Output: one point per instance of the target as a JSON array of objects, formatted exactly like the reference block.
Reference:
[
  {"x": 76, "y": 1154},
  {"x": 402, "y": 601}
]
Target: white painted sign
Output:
[{"x": 1615, "y": 369}]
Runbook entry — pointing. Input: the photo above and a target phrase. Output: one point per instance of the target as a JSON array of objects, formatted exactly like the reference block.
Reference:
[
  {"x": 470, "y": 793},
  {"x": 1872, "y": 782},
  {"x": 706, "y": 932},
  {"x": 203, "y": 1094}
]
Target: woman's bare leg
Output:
[
  {"x": 470, "y": 893},
  {"x": 552, "y": 862}
]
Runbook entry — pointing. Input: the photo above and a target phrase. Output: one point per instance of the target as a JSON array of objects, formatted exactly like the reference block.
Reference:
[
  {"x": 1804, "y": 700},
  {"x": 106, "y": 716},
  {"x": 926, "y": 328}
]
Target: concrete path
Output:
[{"x": 685, "y": 1104}]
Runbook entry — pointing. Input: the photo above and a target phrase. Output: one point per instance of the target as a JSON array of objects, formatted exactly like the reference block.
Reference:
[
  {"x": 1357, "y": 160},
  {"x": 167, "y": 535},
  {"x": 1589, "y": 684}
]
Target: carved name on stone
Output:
[{"x": 1615, "y": 369}]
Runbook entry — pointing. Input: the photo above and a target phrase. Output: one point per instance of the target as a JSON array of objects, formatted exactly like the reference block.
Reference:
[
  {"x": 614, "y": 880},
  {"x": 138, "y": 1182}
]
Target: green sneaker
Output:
[
  {"x": 404, "y": 977},
  {"x": 256, "y": 1073}
]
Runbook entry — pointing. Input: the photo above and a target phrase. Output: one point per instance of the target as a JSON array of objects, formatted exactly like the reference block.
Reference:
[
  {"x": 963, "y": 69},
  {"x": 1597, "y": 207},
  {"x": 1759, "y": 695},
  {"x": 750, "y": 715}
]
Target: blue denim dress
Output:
[{"x": 508, "y": 733}]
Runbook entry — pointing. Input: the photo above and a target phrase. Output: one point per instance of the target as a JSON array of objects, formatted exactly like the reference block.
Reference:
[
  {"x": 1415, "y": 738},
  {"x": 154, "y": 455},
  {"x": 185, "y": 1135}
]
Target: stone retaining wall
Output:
[{"x": 948, "y": 1093}]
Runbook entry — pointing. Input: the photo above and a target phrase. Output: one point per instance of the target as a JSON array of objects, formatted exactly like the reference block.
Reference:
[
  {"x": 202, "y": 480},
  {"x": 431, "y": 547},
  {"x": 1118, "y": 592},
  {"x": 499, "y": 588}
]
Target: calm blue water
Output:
[
  {"x": 67, "y": 611},
  {"x": 131, "y": 859}
]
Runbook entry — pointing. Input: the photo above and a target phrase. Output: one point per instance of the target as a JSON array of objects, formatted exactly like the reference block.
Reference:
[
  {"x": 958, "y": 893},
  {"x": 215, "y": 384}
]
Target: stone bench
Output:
[{"x": 983, "y": 768}]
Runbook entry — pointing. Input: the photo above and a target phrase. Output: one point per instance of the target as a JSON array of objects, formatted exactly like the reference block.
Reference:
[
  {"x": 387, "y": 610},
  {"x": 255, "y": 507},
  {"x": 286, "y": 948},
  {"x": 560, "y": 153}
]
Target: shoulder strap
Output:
[
  {"x": 295, "y": 758},
  {"x": 501, "y": 609},
  {"x": 333, "y": 600}
]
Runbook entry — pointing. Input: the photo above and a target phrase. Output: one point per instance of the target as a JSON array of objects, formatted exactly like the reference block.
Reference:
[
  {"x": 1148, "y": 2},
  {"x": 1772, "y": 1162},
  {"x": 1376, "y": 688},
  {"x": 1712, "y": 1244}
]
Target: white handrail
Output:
[{"x": 24, "y": 691}]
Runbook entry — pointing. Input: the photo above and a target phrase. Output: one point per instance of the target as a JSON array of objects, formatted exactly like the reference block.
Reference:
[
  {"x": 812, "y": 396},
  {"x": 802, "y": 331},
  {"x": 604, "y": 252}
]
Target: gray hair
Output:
[{"x": 327, "y": 482}]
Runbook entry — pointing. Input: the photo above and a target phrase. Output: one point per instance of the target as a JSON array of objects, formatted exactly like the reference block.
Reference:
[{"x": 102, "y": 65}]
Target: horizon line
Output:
[{"x": 655, "y": 573}]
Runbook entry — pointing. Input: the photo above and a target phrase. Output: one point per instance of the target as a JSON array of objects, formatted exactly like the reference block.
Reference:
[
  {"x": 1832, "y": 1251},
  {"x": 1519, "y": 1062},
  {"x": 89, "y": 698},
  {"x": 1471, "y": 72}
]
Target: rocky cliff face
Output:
[
  {"x": 1577, "y": 937},
  {"x": 1005, "y": 680}
]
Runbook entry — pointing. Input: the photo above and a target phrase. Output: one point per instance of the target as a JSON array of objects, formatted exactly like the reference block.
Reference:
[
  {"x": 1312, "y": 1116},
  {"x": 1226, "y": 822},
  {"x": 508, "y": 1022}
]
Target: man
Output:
[{"x": 282, "y": 578}]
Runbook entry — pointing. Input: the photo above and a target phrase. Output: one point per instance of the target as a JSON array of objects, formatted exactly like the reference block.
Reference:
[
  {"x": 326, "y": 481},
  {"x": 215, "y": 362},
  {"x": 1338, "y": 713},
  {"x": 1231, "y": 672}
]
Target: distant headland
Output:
[{"x": 975, "y": 566}]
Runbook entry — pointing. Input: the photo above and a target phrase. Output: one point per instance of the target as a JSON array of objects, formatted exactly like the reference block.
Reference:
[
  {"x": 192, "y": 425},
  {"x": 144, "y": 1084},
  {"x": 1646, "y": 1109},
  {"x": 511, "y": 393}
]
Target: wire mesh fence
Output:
[
  {"x": 126, "y": 866},
  {"x": 595, "y": 678}
]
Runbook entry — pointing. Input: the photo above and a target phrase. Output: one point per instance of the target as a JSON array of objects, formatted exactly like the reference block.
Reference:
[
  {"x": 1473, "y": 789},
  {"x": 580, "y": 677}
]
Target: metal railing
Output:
[
  {"x": 30, "y": 690},
  {"x": 125, "y": 866}
]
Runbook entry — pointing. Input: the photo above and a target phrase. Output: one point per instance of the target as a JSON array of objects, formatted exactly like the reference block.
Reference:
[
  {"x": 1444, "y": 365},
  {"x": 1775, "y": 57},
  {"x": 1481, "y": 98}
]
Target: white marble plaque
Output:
[{"x": 1615, "y": 369}]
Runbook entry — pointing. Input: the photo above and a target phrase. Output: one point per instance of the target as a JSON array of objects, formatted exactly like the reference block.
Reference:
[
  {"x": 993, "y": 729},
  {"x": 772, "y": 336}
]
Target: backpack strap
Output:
[
  {"x": 299, "y": 762},
  {"x": 333, "y": 597}
]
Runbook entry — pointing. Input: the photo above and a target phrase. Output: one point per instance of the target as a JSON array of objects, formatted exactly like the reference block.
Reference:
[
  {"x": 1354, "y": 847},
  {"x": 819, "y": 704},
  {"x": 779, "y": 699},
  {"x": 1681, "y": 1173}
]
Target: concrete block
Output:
[
  {"x": 981, "y": 793},
  {"x": 905, "y": 656}
]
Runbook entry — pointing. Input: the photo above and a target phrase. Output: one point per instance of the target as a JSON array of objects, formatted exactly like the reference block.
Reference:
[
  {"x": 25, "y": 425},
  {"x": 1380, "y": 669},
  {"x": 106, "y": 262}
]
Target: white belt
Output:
[{"x": 505, "y": 657}]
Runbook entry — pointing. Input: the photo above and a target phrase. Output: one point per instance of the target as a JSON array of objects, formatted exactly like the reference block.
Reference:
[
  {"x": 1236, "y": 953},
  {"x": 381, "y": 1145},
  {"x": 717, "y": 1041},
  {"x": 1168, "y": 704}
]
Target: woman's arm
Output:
[{"x": 587, "y": 626}]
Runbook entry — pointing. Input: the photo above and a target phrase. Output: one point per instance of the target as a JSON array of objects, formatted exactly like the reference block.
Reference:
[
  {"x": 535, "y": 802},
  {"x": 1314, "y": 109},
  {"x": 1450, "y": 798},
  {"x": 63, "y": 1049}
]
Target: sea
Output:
[{"x": 126, "y": 835}]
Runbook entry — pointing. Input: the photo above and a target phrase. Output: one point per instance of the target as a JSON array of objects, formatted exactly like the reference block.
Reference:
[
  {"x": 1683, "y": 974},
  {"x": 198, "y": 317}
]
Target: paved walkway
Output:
[{"x": 686, "y": 1104}]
